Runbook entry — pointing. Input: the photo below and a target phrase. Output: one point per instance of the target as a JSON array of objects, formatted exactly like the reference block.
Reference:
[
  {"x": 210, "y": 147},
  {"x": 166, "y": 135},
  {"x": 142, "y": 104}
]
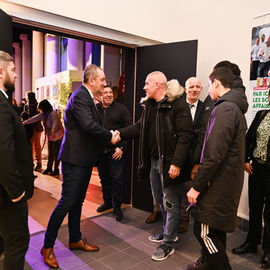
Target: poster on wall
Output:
[
  {"x": 48, "y": 92},
  {"x": 259, "y": 70},
  {"x": 55, "y": 90},
  {"x": 37, "y": 93},
  {"x": 42, "y": 93}
]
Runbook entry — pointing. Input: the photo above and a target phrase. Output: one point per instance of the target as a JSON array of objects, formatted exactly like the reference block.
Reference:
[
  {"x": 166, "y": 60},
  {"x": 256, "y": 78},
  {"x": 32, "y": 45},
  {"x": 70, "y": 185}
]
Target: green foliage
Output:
[{"x": 63, "y": 91}]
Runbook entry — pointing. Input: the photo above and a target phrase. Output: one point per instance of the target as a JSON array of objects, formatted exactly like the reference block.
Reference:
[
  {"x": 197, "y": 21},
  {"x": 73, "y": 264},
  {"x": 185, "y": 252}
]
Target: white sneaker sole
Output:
[
  {"x": 164, "y": 258},
  {"x": 154, "y": 240}
]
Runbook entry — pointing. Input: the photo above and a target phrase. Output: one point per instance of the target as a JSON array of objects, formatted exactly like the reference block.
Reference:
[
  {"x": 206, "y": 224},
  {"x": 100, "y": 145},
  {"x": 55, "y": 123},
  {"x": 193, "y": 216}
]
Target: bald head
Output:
[
  {"x": 158, "y": 77},
  {"x": 155, "y": 85},
  {"x": 193, "y": 89}
]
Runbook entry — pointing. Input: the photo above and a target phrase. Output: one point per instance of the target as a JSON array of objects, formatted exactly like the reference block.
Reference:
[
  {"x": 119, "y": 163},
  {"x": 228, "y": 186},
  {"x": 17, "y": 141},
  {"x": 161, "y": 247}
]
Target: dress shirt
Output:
[
  {"x": 5, "y": 94},
  {"x": 193, "y": 108},
  {"x": 265, "y": 57}
]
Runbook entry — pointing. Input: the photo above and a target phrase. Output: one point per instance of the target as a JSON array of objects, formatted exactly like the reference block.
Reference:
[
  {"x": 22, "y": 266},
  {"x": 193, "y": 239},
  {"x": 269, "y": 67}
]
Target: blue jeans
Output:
[
  {"x": 156, "y": 182},
  {"x": 75, "y": 183},
  {"x": 171, "y": 203},
  {"x": 169, "y": 200},
  {"x": 110, "y": 172}
]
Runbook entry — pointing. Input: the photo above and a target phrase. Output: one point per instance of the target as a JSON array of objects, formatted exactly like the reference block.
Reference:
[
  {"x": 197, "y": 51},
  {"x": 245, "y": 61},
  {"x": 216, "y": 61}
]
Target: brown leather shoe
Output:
[
  {"x": 155, "y": 216},
  {"x": 49, "y": 257},
  {"x": 83, "y": 245},
  {"x": 183, "y": 226}
]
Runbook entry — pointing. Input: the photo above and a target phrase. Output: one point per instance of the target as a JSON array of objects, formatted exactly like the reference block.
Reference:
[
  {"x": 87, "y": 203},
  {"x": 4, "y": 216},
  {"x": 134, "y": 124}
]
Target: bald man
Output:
[
  {"x": 165, "y": 134},
  {"x": 193, "y": 88}
]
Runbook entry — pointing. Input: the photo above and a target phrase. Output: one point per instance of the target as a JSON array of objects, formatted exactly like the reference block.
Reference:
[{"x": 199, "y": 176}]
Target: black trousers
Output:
[
  {"x": 213, "y": 244},
  {"x": 263, "y": 68},
  {"x": 254, "y": 70},
  {"x": 15, "y": 233},
  {"x": 259, "y": 205},
  {"x": 75, "y": 183},
  {"x": 110, "y": 172},
  {"x": 184, "y": 201},
  {"x": 53, "y": 151},
  {"x": 1, "y": 245}
]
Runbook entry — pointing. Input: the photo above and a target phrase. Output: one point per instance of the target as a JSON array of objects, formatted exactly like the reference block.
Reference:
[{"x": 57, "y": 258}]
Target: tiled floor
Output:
[
  {"x": 122, "y": 245},
  {"x": 126, "y": 246},
  {"x": 47, "y": 193}
]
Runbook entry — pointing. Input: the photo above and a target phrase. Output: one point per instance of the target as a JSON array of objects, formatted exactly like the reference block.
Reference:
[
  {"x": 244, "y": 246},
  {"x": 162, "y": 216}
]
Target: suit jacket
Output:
[
  {"x": 16, "y": 165},
  {"x": 84, "y": 138},
  {"x": 197, "y": 125}
]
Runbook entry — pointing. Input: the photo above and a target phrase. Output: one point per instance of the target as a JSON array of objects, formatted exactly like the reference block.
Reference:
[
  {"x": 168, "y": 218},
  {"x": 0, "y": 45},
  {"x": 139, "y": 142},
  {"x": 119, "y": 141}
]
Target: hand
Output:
[
  {"x": 19, "y": 198},
  {"x": 118, "y": 153},
  {"x": 194, "y": 171},
  {"x": 192, "y": 195},
  {"x": 115, "y": 137},
  {"x": 174, "y": 171},
  {"x": 248, "y": 168}
]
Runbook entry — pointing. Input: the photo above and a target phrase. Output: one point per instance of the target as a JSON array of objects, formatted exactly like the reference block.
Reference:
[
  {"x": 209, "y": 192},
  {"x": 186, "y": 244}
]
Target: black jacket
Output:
[
  {"x": 84, "y": 136},
  {"x": 174, "y": 134},
  {"x": 114, "y": 117},
  {"x": 239, "y": 89},
  {"x": 16, "y": 166},
  {"x": 220, "y": 175},
  {"x": 251, "y": 137}
]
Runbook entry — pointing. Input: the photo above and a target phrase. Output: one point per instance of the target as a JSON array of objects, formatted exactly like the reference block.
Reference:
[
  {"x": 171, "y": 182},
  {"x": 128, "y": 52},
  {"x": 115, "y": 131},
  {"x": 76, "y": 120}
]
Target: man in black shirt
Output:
[
  {"x": 113, "y": 116},
  {"x": 165, "y": 134}
]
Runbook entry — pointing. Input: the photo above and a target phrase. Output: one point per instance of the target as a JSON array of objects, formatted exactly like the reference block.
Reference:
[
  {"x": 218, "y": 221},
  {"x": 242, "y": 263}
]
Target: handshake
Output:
[{"x": 115, "y": 136}]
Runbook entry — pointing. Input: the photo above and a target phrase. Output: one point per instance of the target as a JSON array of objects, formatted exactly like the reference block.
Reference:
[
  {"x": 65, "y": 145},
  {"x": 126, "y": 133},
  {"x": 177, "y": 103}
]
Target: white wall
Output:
[{"x": 222, "y": 27}]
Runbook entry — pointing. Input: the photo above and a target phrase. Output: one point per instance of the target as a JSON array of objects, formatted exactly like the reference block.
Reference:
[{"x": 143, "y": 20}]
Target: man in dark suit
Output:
[
  {"x": 16, "y": 173},
  {"x": 82, "y": 144},
  {"x": 193, "y": 90}
]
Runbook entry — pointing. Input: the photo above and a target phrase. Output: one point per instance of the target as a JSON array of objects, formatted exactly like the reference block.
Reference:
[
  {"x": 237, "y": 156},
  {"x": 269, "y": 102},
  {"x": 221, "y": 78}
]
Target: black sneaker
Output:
[
  {"x": 47, "y": 171},
  {"x": 118, "y": 214},
  {"x": 55, "y": 172},
  {"x": 200, "y": 264},
  {"x": 265, "y": 261},
  {"x": 245, "y": 248},
  {"x": 104, "y": 207},
  {"x": 163, "y": 252},
  {"x": 38, "y": 167}
]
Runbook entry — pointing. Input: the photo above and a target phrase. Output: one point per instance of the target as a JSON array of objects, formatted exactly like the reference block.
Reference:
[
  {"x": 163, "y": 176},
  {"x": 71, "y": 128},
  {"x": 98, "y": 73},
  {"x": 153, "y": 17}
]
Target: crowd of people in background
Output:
[{"x": 194, "y": 154}]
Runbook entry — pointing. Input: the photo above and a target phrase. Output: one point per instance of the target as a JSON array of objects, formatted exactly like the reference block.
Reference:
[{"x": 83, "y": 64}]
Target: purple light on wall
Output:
[
  {"x": 88, "y": 53},
  {"x": 52, "y": 52}
]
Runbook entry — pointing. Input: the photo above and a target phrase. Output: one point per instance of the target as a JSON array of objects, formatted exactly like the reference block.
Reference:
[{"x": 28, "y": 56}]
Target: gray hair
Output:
[
  {"x": 5, "y": 58},
  {"x": 90, "y": 71}
]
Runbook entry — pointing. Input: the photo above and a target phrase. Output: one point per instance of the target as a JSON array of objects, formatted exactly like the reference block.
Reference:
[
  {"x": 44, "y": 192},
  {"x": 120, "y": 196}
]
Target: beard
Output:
[{"x": 9, "y": 86}]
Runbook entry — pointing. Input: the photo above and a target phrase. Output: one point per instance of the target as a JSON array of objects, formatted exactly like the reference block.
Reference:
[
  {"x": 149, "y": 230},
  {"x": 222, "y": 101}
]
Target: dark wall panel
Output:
[
  {"x": 177, "y": 61},
  {"x": 5, "y": 32}
]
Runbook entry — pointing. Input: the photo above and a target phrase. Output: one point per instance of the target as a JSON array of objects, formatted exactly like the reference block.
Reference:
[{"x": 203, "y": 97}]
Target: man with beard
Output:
[{"x": 16, "y": 173}]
